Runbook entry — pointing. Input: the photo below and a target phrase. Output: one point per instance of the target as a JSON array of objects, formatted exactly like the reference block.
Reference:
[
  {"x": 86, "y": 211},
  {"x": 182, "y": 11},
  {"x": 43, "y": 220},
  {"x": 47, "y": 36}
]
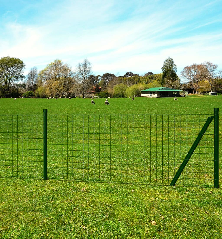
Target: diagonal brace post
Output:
[{"x": 192, "y": 149}]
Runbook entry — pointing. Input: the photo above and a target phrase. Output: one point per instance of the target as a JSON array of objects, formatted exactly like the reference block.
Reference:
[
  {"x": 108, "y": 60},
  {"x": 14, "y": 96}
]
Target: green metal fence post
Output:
[
  {"x": 45, "y": 144},
  {"x": 216, "y": 147}
]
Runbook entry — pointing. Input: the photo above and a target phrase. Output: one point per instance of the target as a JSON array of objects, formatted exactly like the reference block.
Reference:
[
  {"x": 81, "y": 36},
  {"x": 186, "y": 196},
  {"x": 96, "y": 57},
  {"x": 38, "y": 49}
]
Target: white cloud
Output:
[
  {"x": 115, "y": 36},
  {"x": 21, "y": 40}
]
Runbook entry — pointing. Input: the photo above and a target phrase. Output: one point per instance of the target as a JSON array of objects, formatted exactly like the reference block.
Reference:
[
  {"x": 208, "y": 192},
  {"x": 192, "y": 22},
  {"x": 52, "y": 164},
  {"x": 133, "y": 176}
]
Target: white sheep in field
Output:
[{"x": 106, "y": 102}]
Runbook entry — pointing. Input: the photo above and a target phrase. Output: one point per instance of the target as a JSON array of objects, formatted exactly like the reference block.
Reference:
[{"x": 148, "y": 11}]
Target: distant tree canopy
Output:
[
  {"x": 119, "y": 91},
  {"x": 11, "y": 71},
  {"x": 31, "y": 83},
  {"x": 169, "y": 77},
  {"x": 83, "y": 72},
  {"x": 202, "y": 77},
  {"x": 106, "y": 79},
  {"x": 135, "y": 90},
  {"x": 58, "y": 79}
]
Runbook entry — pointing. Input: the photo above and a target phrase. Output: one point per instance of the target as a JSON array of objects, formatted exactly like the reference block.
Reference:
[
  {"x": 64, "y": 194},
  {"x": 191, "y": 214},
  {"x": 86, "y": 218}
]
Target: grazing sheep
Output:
[
  {"x": 106, "y": 102},
  {"x": 93, "y": 102},
  {"x": 175, "y": 98}
]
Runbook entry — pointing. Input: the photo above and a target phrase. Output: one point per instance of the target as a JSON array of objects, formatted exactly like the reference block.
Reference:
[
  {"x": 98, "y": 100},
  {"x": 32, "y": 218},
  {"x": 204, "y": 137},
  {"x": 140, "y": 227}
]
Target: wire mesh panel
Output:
[
  {"x": 89, "y": 151},
  {"x": 6, "y": 146},
  {"x": 57, "y": 146},
  {"x": 21, "y": 146},
  {"x": 199, "y": 169},
  {"x": 126, "y": 148},
  {"x": 30, "y": 146},
  {"x": 129, "y": 148}
]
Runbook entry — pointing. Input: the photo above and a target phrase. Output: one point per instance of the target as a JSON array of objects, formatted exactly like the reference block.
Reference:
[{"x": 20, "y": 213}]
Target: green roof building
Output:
[{"x": 158, "y": 92}]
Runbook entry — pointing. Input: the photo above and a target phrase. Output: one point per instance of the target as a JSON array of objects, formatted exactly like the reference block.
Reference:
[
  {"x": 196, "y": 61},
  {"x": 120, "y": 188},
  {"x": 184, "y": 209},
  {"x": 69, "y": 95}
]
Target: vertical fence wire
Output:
[
  {"x": 67, "y": 146},
  {"x": 17, "y": 144},
  {"x": 168, "y": 149},
  {"x": 110, "y": 147},
  {"x": 88, "y": 146},
  {"x": 99, "y": 146},
  {"x": 12, "y": 162},
  {"x": 162, "y": 146},
  {"x": 150, "y": 147}
]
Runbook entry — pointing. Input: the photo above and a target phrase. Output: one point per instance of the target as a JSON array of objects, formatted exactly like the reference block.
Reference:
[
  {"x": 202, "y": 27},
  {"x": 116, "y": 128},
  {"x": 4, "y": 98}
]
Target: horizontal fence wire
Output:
[{"x": 124, "y": 148}]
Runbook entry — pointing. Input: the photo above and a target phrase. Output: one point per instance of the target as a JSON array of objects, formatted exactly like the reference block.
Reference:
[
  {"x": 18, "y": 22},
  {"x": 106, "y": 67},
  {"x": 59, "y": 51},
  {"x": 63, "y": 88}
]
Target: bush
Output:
[
  {"x": 28, "y": 94},
  {"x": 135, "y": 90},
  {"x": 119, "y": 91},
  {"x": 103, "y": 94},
  {"x": 40, "y": 92}
]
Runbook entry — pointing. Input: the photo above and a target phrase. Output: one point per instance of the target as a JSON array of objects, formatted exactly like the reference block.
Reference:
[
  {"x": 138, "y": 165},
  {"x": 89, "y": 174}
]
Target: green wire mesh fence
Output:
[
  {"x": 21, "y": 146},
  {"x": 132, "y": 148}
]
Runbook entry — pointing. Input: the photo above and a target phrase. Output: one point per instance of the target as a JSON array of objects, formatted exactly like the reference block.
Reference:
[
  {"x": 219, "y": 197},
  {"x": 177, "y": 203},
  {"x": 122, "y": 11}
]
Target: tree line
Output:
[{"x": 58, "y": 79}]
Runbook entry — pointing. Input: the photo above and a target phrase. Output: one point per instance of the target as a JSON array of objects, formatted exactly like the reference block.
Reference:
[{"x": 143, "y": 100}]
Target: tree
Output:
[
  {"x": 211, "y": 74},
  {"x": 119, "y": 90},
  {"x": 218, "y": 85},
  {"x": 130, "y": 80},
  {"x": 153, "y": 84},
  {"x": 149, "y": 78},
  {"x": 148, "y": 73},
  {"x": 11, "y": 71},
  {"x": 31, "y": 83},
  {"x": 169, "y": 70},
  {"x": 129, "y": 74},
  {"x": 93, "y": 80},
  {"x": 192, "y": 73},
  {"x": 57, "y": 79},
  {"x": 106, "y": 79},
  {"x": 83, "y": 73},
  {"x": 135, "y": 90},
  {"x": 93, "y": 84},
  {"x": 204, "y": 86},
  {"x": 197, "y": 73}
]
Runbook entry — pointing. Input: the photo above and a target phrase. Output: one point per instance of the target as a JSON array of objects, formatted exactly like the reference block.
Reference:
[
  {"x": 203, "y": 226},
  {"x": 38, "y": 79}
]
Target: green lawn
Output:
[
  {"x": 67, "y": 209},
  {"x": 184, "y": 105}
]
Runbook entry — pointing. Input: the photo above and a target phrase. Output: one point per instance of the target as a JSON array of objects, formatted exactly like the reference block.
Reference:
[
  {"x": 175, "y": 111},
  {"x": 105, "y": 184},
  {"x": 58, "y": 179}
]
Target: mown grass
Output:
[
  {"x": 69, "y": 209},
  {"x": 184, "y": 105},
  {"x": 65, "y": 209}
]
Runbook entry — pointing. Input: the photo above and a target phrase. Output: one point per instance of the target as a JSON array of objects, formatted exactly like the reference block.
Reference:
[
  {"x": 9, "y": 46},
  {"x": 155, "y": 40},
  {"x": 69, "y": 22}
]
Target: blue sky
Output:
[{"x": 116, "y": 36}]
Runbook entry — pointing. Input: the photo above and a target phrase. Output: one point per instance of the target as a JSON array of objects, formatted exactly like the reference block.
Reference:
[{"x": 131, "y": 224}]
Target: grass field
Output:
[
  {"x": 68, "y": 209},
  {"x": 186, "y": 105}
]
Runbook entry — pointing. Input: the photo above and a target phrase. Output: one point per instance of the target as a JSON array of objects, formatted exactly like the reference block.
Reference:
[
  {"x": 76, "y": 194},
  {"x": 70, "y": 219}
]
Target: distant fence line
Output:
[{"x": 129, "y": 148}]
